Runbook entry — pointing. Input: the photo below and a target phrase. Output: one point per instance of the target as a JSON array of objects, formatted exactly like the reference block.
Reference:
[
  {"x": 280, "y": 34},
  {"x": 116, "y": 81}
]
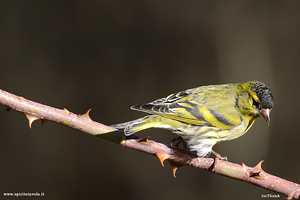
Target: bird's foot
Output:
[
  {"x": 217, "y": 158},
  {"x": 177, "y": 141}
]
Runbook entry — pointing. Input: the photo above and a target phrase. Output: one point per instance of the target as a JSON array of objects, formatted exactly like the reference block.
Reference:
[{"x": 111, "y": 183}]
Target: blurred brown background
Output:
[{"x": 109, "y": 55}]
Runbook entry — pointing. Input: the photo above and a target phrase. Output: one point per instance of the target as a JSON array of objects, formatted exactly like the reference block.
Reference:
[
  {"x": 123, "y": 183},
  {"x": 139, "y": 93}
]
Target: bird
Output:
[{"x": 206, "y": 115}]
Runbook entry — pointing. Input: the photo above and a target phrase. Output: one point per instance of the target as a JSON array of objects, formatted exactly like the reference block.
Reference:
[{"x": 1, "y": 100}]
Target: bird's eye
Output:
[{"x": 255, "y": 103}]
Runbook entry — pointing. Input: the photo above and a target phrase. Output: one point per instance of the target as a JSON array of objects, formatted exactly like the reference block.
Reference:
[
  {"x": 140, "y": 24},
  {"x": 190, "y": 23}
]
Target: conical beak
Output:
[{"x": 264, "y": 112}]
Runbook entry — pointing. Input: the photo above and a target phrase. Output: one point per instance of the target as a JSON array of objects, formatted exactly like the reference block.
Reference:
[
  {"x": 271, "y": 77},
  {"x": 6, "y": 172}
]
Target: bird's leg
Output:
[
  {"x": 217, "y": 157},
  {"x": 176, "y": 142}
]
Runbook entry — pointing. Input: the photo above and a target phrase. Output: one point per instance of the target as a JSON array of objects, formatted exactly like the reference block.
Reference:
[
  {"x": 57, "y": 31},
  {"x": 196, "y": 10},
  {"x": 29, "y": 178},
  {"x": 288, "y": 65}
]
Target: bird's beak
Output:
[{"x": 264, "y": 112}]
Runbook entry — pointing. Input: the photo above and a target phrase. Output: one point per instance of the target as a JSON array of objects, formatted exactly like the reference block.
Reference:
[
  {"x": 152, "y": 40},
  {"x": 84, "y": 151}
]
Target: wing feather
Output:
[{"x": 202, "y": 106}]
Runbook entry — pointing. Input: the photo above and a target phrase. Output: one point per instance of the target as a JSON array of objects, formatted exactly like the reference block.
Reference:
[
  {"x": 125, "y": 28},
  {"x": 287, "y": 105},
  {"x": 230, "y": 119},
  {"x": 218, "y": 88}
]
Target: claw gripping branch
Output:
[{"x": 176, "y": 157}]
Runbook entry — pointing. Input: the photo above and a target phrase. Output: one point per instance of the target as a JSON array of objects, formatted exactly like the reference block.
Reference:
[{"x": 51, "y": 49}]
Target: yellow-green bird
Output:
[{"x": 206, "y": 115}]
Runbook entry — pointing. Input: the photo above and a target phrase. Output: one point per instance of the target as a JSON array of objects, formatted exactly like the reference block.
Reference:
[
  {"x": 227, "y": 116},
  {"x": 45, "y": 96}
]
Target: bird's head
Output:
[{"x": 262, "y": 98}]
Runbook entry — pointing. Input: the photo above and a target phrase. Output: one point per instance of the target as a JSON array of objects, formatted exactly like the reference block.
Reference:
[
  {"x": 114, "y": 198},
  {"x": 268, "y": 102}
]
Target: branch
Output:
[{"x": 176, "y": 157}]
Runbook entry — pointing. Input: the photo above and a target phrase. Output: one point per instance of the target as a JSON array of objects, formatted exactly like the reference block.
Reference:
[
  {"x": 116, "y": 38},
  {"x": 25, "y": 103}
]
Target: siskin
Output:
[{"x": 206, "y": 115}]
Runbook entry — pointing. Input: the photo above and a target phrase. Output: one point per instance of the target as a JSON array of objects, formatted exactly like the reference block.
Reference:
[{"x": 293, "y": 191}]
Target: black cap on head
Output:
[{"x": 266, "y": 99}]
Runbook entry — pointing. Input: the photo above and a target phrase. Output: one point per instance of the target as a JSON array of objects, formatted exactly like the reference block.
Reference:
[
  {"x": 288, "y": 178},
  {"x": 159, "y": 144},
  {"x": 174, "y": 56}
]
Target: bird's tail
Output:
[{"x": 136, "y": 125}]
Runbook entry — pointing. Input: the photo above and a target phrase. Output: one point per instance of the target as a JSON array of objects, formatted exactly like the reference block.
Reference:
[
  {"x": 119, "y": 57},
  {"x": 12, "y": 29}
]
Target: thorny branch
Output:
[{"x": 176, "y": 157}]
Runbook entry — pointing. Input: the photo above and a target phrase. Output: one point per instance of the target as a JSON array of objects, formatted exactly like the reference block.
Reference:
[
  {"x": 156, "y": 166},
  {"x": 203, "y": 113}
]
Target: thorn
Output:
[
  {"x": 31, "y": 118},
  {"x": 245, "y": 167},
  {"x": 68, "y": 112},
  {"x": 144, "y": 141},
  {"x": 174, "y": 167},
  {"x": 258, "y": 166},
  {"x": 252, "y": 173},
  {"x": 86, "y": 116},
  {"x": 162, "y": 157},
  {"x": 257, "y": 175},
  {"x": 43, "y": 121},
  {"x": 21, "y": 98}
]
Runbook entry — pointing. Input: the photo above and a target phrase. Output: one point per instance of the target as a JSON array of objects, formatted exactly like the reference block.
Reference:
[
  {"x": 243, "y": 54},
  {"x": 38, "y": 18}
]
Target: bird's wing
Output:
[{"x": 197, "y": 107}]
